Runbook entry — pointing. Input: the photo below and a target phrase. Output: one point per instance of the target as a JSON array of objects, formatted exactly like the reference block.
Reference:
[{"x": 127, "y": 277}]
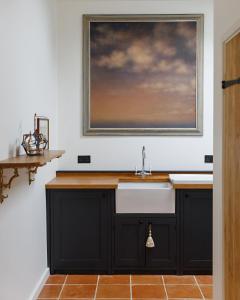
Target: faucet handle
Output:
[
  {"x": 150, "y": 169},
  {"x": 136, "y": 170}
]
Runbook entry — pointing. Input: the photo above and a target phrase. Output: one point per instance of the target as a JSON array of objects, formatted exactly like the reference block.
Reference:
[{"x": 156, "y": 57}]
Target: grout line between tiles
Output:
[
  {"x": 62, "y": 287},
  {"x": 130, "y": 287},
  {"x": 128, "y": 284},
  {"x": 199, "y": 287},
  {"x": 164, "y": 285},
  {"x": 95, "y": 295},
  {"x": 93, "y": 284}
]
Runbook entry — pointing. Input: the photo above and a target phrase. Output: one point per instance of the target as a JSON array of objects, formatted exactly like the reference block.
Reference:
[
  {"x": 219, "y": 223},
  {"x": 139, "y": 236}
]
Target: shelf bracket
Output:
[
  {"x": 31, "y": 174},
  {"x": 7, "y": 185}
]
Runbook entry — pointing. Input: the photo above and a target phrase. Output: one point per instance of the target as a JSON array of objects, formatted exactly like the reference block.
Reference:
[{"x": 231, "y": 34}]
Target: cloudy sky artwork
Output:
[{"x": 143, "y": 74}]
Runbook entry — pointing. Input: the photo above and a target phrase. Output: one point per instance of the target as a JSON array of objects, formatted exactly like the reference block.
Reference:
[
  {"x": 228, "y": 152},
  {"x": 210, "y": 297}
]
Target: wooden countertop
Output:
[
  {"x": 110, "y": 180},
  {"x": 192, "y": 186}
]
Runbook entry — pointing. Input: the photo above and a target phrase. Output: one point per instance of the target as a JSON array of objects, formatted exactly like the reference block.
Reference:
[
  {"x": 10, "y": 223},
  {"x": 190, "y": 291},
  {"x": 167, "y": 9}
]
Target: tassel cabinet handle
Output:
[{"x": 150, "y": 242}]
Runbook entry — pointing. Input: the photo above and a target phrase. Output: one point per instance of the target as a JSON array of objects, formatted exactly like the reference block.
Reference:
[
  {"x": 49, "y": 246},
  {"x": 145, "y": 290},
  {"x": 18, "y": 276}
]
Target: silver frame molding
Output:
[{"x": 88, "y": 131}]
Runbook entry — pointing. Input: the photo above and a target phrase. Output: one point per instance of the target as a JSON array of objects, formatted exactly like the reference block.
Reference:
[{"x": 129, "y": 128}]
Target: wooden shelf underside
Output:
[
  {"x": 24, "y": 161},
  {"x": 32, "y": 163}
]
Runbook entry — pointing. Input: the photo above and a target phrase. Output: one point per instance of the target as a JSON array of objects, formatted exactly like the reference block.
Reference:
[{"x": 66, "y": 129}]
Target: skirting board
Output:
[{"x": 39, "y": 285}]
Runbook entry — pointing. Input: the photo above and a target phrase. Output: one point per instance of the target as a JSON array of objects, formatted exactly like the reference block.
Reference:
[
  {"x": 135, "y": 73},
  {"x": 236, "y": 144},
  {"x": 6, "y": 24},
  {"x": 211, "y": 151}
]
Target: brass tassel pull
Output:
[{"x": 150, "y": 242}]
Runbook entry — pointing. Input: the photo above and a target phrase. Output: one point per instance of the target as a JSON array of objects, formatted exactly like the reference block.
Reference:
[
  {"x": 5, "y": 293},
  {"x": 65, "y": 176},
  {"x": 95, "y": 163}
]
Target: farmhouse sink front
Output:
[{"x": 145, "y": 197}]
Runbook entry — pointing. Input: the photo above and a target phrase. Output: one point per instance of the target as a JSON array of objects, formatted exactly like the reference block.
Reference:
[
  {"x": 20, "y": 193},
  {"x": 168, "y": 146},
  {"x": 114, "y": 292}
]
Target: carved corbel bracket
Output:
[
  {"x": 31, "y": 174},
  {"x": 7, "y": 185},
  {"x": 32, "y": 171}
]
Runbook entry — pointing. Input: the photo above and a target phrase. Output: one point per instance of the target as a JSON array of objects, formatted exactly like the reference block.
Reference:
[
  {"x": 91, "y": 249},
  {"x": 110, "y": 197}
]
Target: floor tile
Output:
[
  {"x": 81, "y": 279},
  {"x": 114, "y": 279},
  {"x": 113, "y": 291},
  {"x": 147, "y": 279},
  {"x": 56, "y": 279},
  {"x": 117, "y": 287},
  {"x": 204, "y": 279},
  {"x": 207, "y": 291},
  {"x": 148, "y": 292},
  {"x": 50, "y": 291},
  {"x": 78, "y": 291},
  {"x": 172, "y": 279},
  {"x": 183, "y": 291}
]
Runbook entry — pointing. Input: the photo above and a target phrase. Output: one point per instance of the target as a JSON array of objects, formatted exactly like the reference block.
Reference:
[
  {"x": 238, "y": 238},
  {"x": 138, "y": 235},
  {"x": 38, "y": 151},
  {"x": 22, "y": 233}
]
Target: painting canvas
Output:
[{"x": 143, "y": 75}]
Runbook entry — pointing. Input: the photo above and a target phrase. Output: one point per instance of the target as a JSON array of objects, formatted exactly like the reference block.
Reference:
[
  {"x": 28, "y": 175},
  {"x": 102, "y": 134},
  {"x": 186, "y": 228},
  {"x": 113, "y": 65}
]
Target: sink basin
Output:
[
  {"x": 191, "y": 178},
  {"x": 145, "y": 197}
]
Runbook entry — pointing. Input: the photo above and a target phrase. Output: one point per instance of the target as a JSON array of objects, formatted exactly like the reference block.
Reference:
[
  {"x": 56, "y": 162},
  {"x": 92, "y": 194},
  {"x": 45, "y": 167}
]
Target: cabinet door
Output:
[
  {"x": 129, "y": 243},
  {"x": 80, "y": 231},
  {"x": 196, "y": 231},
  {"x": 163, "y": 255}
]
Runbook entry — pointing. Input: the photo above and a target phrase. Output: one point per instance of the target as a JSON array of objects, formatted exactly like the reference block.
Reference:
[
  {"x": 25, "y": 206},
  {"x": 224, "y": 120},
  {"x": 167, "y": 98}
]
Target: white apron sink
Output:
[{"x": 145, "y": 197}]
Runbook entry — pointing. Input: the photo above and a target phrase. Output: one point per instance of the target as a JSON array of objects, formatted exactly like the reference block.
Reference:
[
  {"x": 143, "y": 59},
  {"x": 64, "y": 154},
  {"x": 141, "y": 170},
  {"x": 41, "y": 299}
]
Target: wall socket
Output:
[
  {"x": 208, "y": 159},
  {"x": 84, "y": 159}
]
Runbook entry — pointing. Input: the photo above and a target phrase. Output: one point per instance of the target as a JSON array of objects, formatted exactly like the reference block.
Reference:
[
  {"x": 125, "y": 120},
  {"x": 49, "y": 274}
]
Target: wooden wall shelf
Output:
[{"x": 32, "y": 163}]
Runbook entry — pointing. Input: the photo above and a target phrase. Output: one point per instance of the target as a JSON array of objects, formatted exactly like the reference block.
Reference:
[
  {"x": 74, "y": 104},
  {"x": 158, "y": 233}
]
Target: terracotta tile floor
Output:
[{"x": 126, "y": 287}]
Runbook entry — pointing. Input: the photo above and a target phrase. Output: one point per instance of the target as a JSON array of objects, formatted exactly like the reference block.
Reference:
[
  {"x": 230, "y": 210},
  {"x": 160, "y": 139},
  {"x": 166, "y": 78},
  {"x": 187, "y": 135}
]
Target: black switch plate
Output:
[
  {"x": 208, "y": 159},
  {"x": 84, "y": 159}
]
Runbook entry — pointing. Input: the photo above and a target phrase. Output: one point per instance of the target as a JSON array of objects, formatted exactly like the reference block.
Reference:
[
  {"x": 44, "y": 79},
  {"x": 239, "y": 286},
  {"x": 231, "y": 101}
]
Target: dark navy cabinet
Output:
[
  {"x": 79, "y": 230},
  {"x": 163, "y": 256},
  {"x": 129, "y": 238},
  {"x": 86, "y": 236},
  {"x": 130, "y": 251},
  {"x": 195, "y": 209}
]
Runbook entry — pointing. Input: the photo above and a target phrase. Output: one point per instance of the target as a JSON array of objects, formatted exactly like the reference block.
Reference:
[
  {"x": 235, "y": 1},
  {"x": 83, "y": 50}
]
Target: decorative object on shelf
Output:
[
  {"x": 34, "y": 144},
  {"x": 150, "y": 242},
  {"x": 32, "y": 163},
  {"x": 143, "y": 74},
  {"x": 41, "y": 126}
]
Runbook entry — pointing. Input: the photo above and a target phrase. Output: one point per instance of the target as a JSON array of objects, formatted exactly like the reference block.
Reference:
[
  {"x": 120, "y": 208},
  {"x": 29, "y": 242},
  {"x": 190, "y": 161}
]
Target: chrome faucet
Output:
[
  {"x": 143, "y": 172},
  {"x": 143, "y": 159}
]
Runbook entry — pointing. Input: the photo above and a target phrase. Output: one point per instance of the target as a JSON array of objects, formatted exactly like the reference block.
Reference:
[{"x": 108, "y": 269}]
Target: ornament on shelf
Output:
[{"x": 34, "y": 144}]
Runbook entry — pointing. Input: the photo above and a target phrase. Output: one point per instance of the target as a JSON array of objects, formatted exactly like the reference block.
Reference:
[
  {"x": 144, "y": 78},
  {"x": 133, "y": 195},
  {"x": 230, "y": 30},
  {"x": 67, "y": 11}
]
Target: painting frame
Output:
[{"x": 91, "y": 131}]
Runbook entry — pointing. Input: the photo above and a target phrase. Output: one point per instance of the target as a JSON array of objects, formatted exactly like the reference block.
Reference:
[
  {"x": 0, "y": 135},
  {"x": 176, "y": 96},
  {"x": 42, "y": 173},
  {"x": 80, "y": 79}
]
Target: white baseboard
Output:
[{"x": 38, "y": 287}]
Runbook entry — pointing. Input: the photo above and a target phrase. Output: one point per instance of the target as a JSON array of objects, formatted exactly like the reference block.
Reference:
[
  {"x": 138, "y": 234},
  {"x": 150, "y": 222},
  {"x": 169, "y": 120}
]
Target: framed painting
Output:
[{"x": 143, "y": 74}]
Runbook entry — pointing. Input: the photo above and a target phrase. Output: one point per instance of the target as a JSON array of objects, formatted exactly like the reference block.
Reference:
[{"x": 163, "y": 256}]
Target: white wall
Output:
[
  {"x": 27, "y": 85},
  {"x": 123, "y": 153},
  {"x": 227, "y": 20}
]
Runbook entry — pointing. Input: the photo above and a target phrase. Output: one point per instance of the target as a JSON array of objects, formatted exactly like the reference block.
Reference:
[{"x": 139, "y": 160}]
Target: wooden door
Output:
[{"x": 231, "y": 171}]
